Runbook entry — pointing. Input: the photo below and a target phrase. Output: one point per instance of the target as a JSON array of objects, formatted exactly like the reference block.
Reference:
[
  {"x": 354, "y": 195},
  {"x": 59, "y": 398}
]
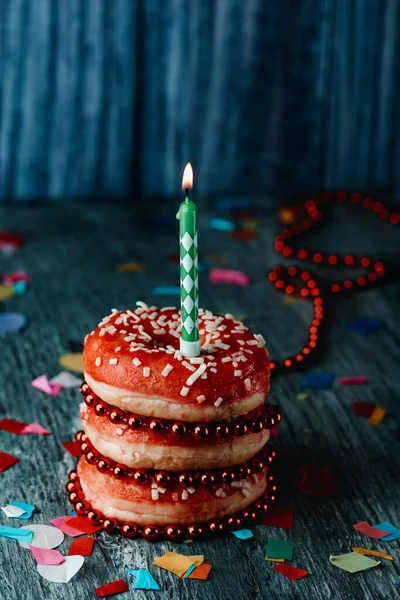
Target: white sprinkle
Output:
[
  {"x": 114, "y": 310},
  {"x": 198, "y": 373},
  {"x": 175, "y": 496},
  {"x": 235, "y": 364},
  {"x": 184, "y": 391},
  {"x": 185, "y": 495},
  {"x": 153, "y": 485},
  {"x": 219, "y": 492},
  {"x": 146, "y": 372},
  {"x": 154, "y": 494},
  {"x": 204, "y": 376},
  {"x": 153, "y": 315},
  {"x": 228, "y": 316},
  {"x": 247, "y": 384},
  {"x": 260, "y": 339},
  {"x": 226, "y": 359},
  {"x": 188, "y": 366},
  {"x": 220, "y": 344},
  {"x": 214, "y": 370},
  {"x": 136, "y": 362},
  {"x": 218, "y": 402},
  {"x": 167, "y": 370},
  {"x": 118, "y": 349},
  {"x": 142, "y": 304},
  {"x": 118, "y": 321},
  {"x": 252, "y": 343},
  {"x": 130, "y": 337},
  {"x": 245, "y": 492},
  {"x": 191, "y": 490},
  {"x": 200, "y": 398},
  {"x": 113, "y": 361},
  {"x": 119, "y": 431},
  {"x": 197, "y": 360},
  {"x": 122, "y": 331},
  {"x": 237, "y": 373},
  {"x": 161, "y": 490},
  {"x": 249, "y": 351},
  {"x": 98, "y": 361},
  {"x": 159, "y": 331}
]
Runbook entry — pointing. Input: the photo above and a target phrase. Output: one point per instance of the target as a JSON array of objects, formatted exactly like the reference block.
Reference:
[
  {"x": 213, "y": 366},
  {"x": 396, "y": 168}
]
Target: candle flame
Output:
[{"x": 187, "y": 179}]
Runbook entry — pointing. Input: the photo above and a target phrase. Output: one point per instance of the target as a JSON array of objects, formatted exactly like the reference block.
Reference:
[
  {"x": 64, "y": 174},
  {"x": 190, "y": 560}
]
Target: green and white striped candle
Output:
[{"x": 190, "y": 341}]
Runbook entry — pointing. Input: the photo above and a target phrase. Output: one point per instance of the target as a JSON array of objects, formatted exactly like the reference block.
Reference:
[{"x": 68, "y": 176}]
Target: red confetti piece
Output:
[
  {"x": 81, "y": 524},
  {"x": 200, "y": 572},
  {"x": 82, "y": 546},
  {"x": 273, "y": 432},
  {"x": 12, "y": 426},
  {"x": 74, "y": 448},
  {"x": 290, "y": 572},
  {"x": 115, "y": 587},
  {"x": 315, "y": 481},
  {"x": 353, "y": 380},
  {"x": 244, "y": 215},
  {"x": 370, "y": 531},
  {"x": 7, "y": 461},
  {"x": 10, "y": 239},
  {"x": 243, "y": 235},
  {"x": 363, "y": 409},
  {"x": 279, "y": 517},
  {"x": 174, "y": 258}
]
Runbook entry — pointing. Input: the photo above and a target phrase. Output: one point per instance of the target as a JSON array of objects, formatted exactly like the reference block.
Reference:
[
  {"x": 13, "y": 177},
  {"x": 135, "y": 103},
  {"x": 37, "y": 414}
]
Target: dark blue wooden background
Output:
[{"x": 112, "y": 97}]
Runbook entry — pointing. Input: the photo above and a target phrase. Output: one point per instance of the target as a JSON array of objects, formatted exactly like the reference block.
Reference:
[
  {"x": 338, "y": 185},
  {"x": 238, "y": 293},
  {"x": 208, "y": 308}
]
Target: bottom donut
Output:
[{"x": 205, "y": 522}]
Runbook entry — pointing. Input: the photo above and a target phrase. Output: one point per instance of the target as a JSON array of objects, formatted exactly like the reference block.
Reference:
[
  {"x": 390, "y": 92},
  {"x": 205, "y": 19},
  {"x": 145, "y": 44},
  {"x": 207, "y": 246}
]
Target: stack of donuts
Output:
[{"x": 171, "y": 445}]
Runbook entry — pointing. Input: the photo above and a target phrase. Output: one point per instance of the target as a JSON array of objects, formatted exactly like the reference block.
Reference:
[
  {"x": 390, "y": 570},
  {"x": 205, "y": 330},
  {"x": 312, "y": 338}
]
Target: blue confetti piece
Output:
[
  {"x": 203, "y": 266},
  {"x": 167, "y": 290},
  {"x": 317, "y": 381},
  {"x": 190, "y": 570},
  {"x": 72, "y": 513},
  {"x": 10, "y": 322},
  {"x": 243, "y": 534},
  {"x": 144, "y": 580},
  {"x": 364, "y": 325},
  {"x": 221, "y": 224},
  {"x": 237, "y": 202},
  {"x": 394, "y": 531},
  {"x": 15, "y": 533},
  {"x": 28, "y": 508},
  {"x": 397, "y": 585},
  {"x": 20, "y": 287}
]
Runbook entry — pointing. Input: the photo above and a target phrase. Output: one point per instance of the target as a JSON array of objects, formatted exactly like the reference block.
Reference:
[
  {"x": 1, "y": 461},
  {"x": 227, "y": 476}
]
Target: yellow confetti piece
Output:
[
  {"x": 376, "y": 416},
  {"x": 302, "y": 396},
  {"x": 72, "y": 362},
  {"x": 279, "y": 560},
  {"x": 6, "y": 291},
  {"x": 289, "y": 299},
  {"x": 130, "y": 268},
  {"x": 249, "y": 225},
  {"x": 177, "y": 563},
  {"x": 372, "y": 553},
  {"x": 219, "y": 259}
]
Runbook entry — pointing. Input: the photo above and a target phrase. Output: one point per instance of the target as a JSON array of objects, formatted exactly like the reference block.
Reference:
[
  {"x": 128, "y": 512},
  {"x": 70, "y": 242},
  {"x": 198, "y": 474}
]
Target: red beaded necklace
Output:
[{"x": 295, "y": 281}]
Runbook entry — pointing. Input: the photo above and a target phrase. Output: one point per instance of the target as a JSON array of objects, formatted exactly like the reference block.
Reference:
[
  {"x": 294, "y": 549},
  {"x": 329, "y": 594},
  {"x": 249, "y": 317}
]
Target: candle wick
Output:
[{"x": 187, "y": 192}]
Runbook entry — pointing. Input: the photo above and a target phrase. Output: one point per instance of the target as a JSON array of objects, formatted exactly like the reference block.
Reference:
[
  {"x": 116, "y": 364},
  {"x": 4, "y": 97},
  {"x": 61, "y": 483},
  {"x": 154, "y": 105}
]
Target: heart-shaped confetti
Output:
[
  {"x": 44, "y": 536},
  {"x": 61, "y": 573}
]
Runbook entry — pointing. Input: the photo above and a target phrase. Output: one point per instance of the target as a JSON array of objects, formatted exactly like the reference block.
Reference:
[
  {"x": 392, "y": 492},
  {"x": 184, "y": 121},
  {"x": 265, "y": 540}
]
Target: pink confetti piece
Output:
[
  {"x": 62, "y": 524},
  {"x": 273, "y": 432},
  {"x": 370, "y": 531},
  {"x": 353, "y": 380},
  {"x": 228, "y": 276},
  {"x": 15, "y": 276},
  {"x": 43, "y": 556},
  {"x": 42, "y": 383},
  {"x": 35, "y": 428}
]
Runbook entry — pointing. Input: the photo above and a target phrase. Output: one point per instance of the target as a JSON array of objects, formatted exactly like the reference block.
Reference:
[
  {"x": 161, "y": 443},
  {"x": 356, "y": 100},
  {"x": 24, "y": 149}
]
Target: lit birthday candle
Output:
[{"x": 190, "y": 341}]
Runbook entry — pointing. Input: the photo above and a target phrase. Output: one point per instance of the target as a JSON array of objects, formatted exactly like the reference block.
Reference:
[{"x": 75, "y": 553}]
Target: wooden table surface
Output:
[{"x": 71, "y": 252}]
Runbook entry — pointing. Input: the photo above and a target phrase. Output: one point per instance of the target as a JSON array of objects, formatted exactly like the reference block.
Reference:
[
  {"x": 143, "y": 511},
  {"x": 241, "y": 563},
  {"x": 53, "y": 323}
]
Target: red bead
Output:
[
  {"x": 163, "y": 478},
  {"x": 234, "y": 522},
  {"x": 90, "y": 400},
  {"x": 207, "y": 479},
  {"x": 292, "y": 271},
  {"x": 348, "y": 284},
  {"x": 91, "y": 457},
  {"x": 73, "y": 476},
  {"x": 119, "y": 472},
  {"x": 195, "y": 531},
  {"x": 185, "y": 479},
  {"x": 84, "y": 448},
  {"x": 134, "y": 422},
  {"x": 222, "y": 431},
  {"x": 109, "y": 525},
  {"x": 94, "y": 517},
  {"x": 178, "y": 428},
  {"x": 151, "y": 533},
  {"x": 116, "y": 416},
  {"x": 140, "y": 477},
  {"x": 129, "y": 531},
  {"x": 335, "y": 287},
  {"x": 240, "y": 429},
  {"x": 70, "y": 487},
  {"x": 302, "y": 254},
  {"x": 257, "y": 425},
  {"x": 174, "y": 533},
  {"x": 228, "y": 476},
  {"x": 201, "y": 431},
  {"x": 82, "y": 508},
  {"x": 84, "y": 388},
  {"x": 317, "y": 257},
  {"x": 78, "y": 436},
  {"x": 99, "y": 409},
  {"x": 250, "y": 515},
  {"x": 156, "y": 426},
  {"x": 349, "y": 259},
  {"x": 215, "y": 527},
  {"x": 73, "y": 497},
  {"x": 288, "y": 363},
  {"x": 332, "y": 259},
  {"x": 259, "y": 466},
  {"x": 102, "y": 465}
]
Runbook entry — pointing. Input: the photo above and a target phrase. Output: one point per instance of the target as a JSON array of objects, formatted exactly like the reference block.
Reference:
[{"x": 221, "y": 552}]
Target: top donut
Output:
[{"x": 132, "y": 360}]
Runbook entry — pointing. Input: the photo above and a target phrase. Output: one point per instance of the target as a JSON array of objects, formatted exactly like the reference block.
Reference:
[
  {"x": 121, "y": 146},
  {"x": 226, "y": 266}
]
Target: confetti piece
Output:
[
  {"x": 289, "y": 299},
  {"x": 20, "y": 287},
  {"x": 279, "y": 517},
  {"x": 21, "y": 534},
  {"x": 243, "y": 534},
  {"x": 317, "y": 381},
  {"x": 275, "y": 560},
  {"x": 66, "y": 380},
  {"x": 228, "y": 276},
  {"x": 234, "y": 203},
  {"x": 72, "y": 362},
  {"x": 377, "y": 416},
  {"x": 368, "y": 552},
  {"x": 273, "y": 432},
  {"x": 370, "y": 531},
  {"x": 42, "y": 384},
  {"x": 35, "y": 428},
  {"x": 46, "y": 557},
  {"x": 397, "y": 585},
  {"x": 177, "y": 563},
  {"x": 315, "y": 481},
  {"x": 7, "y": 461},
  {"x": 302, "y": 396},
  {"x": 287, "y": 215},
  {"x": 83, "y": 525},
  {"x": 12, "y": 426},
  {"x": 166, "y": 290},
  {"x": 15, "y": 277},
  {"x": 130, "y": 268},
  {"x": 219, "y": 259},
  {"x": 190, "y": 570},
  {"x": 290, "y": 571},
  {"x": 279, "y": 549},
  {"x": 115, "y": 587},
  {"x": 74, "y": 448},
  {"x": 6, "y": 291},
  {"x": 221, "y": 224},
  {"x": 27, "y": 508},
  {"x": 44, "y": 536},
  {"x": 363, "y": 409},
  {"x": 364, "y": 325},
  {"x": 144, "y": 580},
  {"x": 243, "y": 235},
  {"x": 12, "y": 322},
  {"x": 61, "y": 573},
  {"x": 352, "y": 562},
  {"x": 83, "y": 546},
  {"x": 62, "y": 524},
  {"x": 394, "y": 532},
  {"x": 353, "y": 381},
  {"x": 12, "y": 511},
  {"x": 10, "y": 239},
  {"x": 201, "y": 572}
]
